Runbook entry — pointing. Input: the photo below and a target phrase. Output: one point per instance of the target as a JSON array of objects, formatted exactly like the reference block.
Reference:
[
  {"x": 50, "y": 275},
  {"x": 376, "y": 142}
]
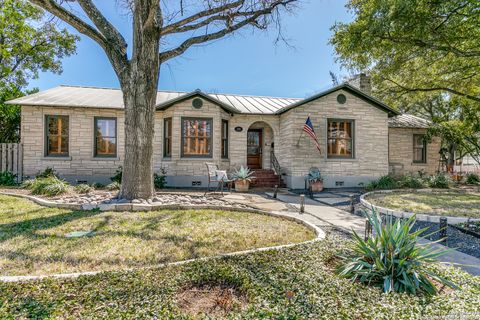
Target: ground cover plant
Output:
[
  {"x": 49, "y": 186},
  {"x": 392, "y": 259},
  {"x": 294, "y": 283},
  {"x": 37, "y": 240},
  {"x": 8, "y": 178},
  {"x": 472, "y": 178},
  {"x": 446, "y": 203}
]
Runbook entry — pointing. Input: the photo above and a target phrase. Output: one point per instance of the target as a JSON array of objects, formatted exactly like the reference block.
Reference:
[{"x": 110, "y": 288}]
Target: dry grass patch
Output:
[
  {"x": 446, "y": 203},
  {"x": 33, "y": 239},
  {"x": 211, "y": 301}
]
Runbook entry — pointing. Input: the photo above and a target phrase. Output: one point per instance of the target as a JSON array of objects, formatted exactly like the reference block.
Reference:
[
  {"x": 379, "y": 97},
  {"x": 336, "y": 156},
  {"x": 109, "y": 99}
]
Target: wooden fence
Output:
[{"x": 11, "y": 159}]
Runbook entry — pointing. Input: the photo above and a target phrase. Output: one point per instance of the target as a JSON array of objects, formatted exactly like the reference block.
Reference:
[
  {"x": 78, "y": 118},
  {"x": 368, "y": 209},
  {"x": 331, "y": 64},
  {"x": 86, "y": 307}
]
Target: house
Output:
[{"x": 79, "y": 131}]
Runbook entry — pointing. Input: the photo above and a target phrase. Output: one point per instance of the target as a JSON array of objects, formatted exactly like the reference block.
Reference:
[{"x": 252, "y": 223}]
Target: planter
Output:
[
  {"x": 242, "y": 185},
  {"x": 316, "y": 186}
]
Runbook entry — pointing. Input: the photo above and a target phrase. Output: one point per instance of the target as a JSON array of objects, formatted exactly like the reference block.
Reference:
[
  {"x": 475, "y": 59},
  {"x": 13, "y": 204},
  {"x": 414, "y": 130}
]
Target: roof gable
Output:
[
  {"x": 195, "y": 94},
  {"x": 345, "y": 86}
]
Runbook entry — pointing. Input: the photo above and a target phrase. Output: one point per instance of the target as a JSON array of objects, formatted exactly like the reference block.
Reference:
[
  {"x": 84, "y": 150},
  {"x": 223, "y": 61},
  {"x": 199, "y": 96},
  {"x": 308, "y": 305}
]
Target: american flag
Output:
[{"x": 308, "y": 128}]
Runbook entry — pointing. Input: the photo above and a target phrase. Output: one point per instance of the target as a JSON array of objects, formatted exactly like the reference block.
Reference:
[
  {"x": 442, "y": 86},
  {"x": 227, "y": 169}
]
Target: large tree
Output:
[
  {"x": 423, "y": 57},
  {"x": 28, "y": 44},
  {"x": 157, "y": 26},
  {"x": 414, "y": 45}
]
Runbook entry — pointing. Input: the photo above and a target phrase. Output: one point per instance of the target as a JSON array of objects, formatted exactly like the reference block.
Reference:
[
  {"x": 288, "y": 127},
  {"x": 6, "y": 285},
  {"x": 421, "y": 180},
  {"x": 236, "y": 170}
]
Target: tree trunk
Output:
[
  {"x": 139, "y": 84},
  {"x": 451, "y": 157}
]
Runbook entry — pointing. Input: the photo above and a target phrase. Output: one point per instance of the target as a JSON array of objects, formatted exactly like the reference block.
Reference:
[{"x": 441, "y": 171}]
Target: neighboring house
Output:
[{"x": 80, "y": 132}]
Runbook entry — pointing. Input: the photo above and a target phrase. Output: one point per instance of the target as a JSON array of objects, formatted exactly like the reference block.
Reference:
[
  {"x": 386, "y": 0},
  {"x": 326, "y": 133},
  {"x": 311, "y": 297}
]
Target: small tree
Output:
[
  {"x": 28, "y": 44},
  {"x": 156, "y": 25}
]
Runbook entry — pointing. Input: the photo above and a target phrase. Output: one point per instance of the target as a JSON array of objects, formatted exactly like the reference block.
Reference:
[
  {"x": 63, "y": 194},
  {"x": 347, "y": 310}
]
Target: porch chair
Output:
[{"x": 217, "y": 176}]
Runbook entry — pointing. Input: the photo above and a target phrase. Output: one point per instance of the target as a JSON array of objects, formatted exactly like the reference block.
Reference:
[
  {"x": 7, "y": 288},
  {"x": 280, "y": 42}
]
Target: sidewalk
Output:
[{"x": 323, "y": 215}]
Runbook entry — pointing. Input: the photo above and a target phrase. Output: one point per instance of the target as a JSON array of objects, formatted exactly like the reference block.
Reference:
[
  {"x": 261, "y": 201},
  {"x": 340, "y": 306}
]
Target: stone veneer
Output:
[
  {"x": 401, "y": 152},
  {"x": 371, "y": 142}
]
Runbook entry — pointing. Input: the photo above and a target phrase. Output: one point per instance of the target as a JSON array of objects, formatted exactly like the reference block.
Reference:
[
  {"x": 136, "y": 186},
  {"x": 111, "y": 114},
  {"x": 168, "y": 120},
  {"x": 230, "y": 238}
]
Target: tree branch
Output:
[
  {"x": 202, "y": 14},
  {"x": 57, "y": 10},
  {"x": 252, "y": 17},
  {"x": 106, "y": 28}
]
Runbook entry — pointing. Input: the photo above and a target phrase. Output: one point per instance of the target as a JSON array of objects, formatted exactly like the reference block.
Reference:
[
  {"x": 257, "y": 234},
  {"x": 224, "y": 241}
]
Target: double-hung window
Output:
[
  {"x": 105, "y": 137},
  {"x": 56, "y": 136},
  {"x": 224, "y": 139},
  {"x": 419, "y": 149},
  {"x": 197, "y": 137},
  {"x": 340, "y": 138},
  {"x": 167, "y": 137}
]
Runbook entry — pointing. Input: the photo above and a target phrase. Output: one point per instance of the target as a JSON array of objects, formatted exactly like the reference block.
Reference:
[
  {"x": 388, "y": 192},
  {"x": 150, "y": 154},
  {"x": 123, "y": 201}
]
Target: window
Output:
[
  {"x": 167, "y": 137},
  {"x": 56, "y": 136},
  {"x": 225, "y": 139},
  {"x": 419, "y": 149},
  {"x": 196, "y": 137},
  {"x": 105, "y": 137},
  {"x": 340, "y": 141}
]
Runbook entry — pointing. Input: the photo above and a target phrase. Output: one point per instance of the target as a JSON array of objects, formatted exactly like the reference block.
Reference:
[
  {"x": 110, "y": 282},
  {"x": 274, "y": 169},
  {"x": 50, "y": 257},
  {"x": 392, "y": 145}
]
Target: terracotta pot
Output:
[
  {"x": 316, "y": 186},
  {"x": 242, "y": 185}
]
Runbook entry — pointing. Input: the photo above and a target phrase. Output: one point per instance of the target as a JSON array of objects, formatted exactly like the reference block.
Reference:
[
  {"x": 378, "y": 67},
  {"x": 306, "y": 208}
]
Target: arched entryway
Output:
[{"x": 259, "y": 145}]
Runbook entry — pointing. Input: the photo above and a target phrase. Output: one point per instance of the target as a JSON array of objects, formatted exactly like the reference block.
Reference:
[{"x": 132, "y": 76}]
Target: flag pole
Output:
[{"x": 301, "y": 134}]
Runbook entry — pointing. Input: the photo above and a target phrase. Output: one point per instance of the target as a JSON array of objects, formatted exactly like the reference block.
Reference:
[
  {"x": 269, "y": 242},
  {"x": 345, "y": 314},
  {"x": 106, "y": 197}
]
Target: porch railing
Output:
[{"x": 276, "y": 167}]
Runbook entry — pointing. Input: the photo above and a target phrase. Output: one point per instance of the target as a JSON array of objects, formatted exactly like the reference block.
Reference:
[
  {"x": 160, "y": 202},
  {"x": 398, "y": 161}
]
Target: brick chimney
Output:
[{"x": 362, "y": 81}]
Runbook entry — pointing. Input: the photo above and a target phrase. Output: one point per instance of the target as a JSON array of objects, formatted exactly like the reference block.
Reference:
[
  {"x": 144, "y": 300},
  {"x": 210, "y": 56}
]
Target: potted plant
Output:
[
  {"x": 242, "y": 177},
  {"x": 315, "y": 180}
]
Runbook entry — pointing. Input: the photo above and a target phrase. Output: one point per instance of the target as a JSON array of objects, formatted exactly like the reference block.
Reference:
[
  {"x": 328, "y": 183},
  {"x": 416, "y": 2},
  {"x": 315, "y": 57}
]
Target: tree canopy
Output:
[{"x": 413, "y": 45}]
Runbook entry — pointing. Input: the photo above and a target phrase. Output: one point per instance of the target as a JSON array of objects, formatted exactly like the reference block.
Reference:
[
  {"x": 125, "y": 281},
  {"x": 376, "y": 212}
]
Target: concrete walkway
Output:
[{"x": 323, "y": 215}]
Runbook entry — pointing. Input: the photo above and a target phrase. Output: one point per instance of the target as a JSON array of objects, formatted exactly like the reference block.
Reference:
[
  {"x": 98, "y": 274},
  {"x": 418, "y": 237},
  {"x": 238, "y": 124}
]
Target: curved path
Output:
[{"x": 323, "y": 216}]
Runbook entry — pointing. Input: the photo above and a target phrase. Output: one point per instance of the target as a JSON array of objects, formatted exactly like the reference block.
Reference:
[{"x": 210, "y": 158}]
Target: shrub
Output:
[
  {"x": 472, "y": 178},
  {"x": 384, "y": 183},
  {"x": 411, "y": 182},
  {"x": 113, "y": 186},
  {"x": 50, "y": 186},
  {"x": 98, "y": 185},
  {"x": 159, "y": 179},
  {"x": 7, "y": 178},
  {"x": 439, "y": 181},
  {"x": 392, "y": 259},
  {"x": 47, "y": 173},
  {"x": 83, "y": 188},
  {"x": 117, "y": 177}
]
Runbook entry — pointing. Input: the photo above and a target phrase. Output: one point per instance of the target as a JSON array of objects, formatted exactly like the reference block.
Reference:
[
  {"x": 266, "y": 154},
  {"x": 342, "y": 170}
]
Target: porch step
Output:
[{"x": 266, "y": 178}]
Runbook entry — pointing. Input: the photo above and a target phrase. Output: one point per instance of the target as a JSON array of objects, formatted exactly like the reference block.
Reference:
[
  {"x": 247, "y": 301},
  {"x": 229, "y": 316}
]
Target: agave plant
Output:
[
  {"x": 392, "y": 259},
  {"x": 243, "y": 174}
]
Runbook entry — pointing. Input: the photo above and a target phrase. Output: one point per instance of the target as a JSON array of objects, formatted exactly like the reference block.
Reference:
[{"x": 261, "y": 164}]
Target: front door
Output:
[{"x": 254, "y": 148}]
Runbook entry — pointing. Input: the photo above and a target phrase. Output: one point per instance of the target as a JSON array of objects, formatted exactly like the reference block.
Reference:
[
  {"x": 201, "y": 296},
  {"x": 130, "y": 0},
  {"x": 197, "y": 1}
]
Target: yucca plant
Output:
[
  {"x": 392, "y": 259},
  {"x": 244, "y": 173}
]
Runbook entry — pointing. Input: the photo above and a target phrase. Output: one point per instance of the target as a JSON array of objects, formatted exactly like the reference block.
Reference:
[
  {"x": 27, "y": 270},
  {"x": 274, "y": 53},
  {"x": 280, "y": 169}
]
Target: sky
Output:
[{"x": 248, "y": 63}]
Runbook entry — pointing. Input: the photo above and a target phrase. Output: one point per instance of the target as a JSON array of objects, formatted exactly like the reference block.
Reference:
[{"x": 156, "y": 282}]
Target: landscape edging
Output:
[
  {"x": 406, "y": 214},
  {"x": 319, "y": 233}
]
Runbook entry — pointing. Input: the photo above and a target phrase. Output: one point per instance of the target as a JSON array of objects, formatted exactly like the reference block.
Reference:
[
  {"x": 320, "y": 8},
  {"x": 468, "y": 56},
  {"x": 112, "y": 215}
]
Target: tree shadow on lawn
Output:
[{"x": 29, "y": 227}]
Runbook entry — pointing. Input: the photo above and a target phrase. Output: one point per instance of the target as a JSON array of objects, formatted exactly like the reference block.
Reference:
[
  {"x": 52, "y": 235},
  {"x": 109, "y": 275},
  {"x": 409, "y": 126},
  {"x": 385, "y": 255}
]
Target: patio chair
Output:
[{"x": 217, "y": 176}]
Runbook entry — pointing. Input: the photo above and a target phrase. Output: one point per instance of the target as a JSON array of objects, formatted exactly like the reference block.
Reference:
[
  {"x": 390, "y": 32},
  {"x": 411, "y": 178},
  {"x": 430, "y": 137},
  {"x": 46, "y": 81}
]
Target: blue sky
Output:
[{"x": 246, "y": 63}]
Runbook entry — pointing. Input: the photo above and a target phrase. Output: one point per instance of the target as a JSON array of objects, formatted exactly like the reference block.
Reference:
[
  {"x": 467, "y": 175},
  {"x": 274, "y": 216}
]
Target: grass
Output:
[
  {"x": 293, "y": 283},
  {"x": 33, "y": 242},
  {"x": 442, "y": 203}
]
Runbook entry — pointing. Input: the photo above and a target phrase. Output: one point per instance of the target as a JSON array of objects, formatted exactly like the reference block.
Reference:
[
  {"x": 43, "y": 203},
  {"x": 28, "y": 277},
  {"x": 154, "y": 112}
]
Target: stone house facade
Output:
[{"x": 79, "y": 132}]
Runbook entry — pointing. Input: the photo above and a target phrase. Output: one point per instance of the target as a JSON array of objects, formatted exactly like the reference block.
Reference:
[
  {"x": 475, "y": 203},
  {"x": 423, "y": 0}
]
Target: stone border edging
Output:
[
  {"x": 405, "y": 214},
  {"x": 319, "y": 233}
]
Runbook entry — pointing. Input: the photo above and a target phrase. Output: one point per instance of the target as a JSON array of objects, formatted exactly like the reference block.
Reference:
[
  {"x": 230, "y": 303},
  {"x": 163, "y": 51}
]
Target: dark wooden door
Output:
[{"x": 254, "y": 148}]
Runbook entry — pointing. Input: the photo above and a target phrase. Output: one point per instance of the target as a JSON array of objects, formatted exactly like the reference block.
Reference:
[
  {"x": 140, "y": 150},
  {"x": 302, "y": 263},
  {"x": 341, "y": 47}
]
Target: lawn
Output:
[
  {"x": 448, "y": 203},
  {"x": 293, "y": 283},
  {"x": 33, "y": 239}
]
